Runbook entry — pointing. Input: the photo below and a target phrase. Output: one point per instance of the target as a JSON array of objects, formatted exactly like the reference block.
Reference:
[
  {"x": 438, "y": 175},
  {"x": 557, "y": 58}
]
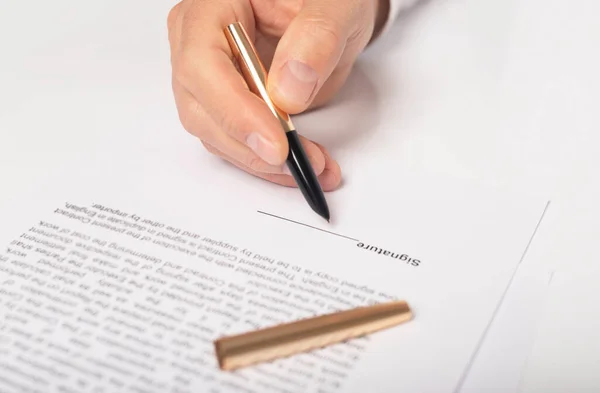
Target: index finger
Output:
[{"x": 204, "y": 64}]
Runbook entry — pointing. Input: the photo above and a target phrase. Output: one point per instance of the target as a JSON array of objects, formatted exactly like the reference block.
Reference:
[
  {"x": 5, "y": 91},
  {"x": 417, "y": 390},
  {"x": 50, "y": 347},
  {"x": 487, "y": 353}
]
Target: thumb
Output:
[{"x": 309, "y": 51}]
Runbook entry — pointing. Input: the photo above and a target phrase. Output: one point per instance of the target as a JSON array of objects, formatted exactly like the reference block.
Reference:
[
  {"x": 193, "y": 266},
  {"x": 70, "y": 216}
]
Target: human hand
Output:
[{"x": 309, "y": 48}]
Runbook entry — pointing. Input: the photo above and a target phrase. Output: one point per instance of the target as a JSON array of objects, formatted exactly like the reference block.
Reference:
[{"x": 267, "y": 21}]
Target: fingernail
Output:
[
  {"x": 297, "y": 82},
  {"x": 263, "y": 148},
  {"x": 286, "y": 171},
  {"x": 315, "y": 165}
]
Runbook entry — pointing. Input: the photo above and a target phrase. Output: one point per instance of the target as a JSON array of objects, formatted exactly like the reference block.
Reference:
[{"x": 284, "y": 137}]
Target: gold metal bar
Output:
[
  {"x": 304, "y": 335},
  {"x": 253, "y": 70}
]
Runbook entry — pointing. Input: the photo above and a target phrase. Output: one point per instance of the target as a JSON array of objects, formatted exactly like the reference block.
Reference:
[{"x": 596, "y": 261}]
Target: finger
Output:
[
  {"x": 203, "y": 64},
  {"x": 254, "y": 170},
  {"x": 330, "y": 88},
  {"x": 173, "y": 27},
  {"x": 329, "y": 178},
  {"x": 310, "y": 49},
  {"x": 196, "y": 121},
  {"x": 281, "y": 179}
]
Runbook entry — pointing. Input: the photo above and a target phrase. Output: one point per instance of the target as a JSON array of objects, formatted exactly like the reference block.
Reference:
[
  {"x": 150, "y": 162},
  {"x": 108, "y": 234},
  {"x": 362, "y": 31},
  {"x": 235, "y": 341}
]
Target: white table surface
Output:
[{"x": 506, "y": 93}]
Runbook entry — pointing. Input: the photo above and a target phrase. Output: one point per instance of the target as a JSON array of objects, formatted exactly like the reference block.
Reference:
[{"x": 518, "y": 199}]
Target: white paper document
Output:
[
  {"x": 499, "y": 362},
  {"x": 566, "y": 352},
  {"x": 121, "y": 283}
]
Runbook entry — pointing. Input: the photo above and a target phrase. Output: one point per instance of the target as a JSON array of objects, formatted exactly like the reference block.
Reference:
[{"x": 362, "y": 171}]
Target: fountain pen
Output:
[{"x": 255, "y": 75}]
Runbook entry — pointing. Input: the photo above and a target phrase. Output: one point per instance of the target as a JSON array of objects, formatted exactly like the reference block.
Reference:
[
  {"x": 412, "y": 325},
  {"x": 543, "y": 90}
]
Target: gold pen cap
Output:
[
  {"x": 253, "y": 70},
  {"x": 304, "y": 335}
]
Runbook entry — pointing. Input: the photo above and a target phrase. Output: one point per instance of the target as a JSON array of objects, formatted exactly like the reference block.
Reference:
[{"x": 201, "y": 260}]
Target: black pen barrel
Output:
[{"x": 305, "y": 176}]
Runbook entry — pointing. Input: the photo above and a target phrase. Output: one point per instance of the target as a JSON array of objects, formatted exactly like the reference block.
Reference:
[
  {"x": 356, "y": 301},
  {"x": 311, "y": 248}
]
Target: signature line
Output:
[{"x": 306, "y": 225}]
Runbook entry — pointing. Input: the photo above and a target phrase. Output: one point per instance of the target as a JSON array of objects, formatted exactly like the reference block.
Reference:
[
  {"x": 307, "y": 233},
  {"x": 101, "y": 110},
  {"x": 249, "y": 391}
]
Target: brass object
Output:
[
  {"x": 253, "y": 70},
  {"x": 304, "y": 335}
]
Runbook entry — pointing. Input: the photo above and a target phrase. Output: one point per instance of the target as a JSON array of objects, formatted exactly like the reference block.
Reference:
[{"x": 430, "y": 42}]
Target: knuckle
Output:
[
  {"x": 183, "y": 68},
  {"x": 325, "y": 30},
  {"x": 202, "y": 132},
  {"x": 185, "y": 120},
  {"x": 191, "y": 121},
  {"x": 210, "y": 148},
  {"x": 227, "y": 123},
  {"x": 188, "y": 123},
  {"x": 172, "y": 15}
]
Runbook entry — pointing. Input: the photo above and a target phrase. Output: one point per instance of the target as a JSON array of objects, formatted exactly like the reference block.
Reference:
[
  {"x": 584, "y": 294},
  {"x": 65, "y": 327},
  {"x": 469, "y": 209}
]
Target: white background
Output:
[{"x": 505, "y": 93}]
